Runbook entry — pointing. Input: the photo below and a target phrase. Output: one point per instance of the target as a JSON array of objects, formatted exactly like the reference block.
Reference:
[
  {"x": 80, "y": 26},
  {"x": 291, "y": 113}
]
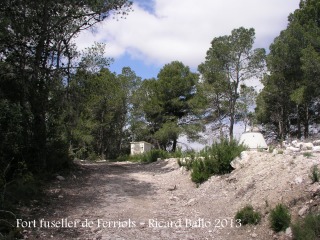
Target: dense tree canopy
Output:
[
  {"x": 167, "y": 107},
  {"x": 291, "y": 92},
  {"x": 37, "y": 60},
  {"x": 230, "y": 61}
]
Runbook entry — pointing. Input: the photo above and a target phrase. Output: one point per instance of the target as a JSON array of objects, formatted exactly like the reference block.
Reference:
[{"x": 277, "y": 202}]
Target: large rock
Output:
[
  {"x": 303, "y": 211},
  {"x": 316, "y": 149},
  {"x": 239, "y": 162},
  {"x": 306, "y": 146},
  {"x": 289, "y": 232},
  {"x": 293, "y": 149},
  {"x": 295, "y": 143},
  {"x": 316, "y": 143}
]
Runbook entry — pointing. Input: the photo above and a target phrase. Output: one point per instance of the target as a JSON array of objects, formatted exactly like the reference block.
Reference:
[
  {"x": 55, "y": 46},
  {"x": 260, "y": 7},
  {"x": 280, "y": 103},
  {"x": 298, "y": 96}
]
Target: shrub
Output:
[
  {"x": 216, "y": 160},
  {"x": 271, "y": 148},
  {"x": 178, "y": 153},
  {"x": 280, "y": 218},
  {"x": 307, "y": 154},
  {"x": 146, "y": 157},
  {"x": 315, "y": 174},
  {"x": 307, "y": 228},
  {"x": 200, "y": 172},
  {"x": 247, "y": 215},
  {"x": 153, "y": 155},
  {"x": 224, "y": 152}
]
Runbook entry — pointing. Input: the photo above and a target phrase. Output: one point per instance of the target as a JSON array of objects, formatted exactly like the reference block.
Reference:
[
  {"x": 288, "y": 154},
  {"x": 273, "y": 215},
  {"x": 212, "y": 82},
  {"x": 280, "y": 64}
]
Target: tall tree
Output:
[
  {"x": 293, "y": 64},
  {"x": 37, "y": 58},
  {"x": 167, "y": 105},
  {"x": 230, "y": 61},
  {"x": 99, "y": 112}
]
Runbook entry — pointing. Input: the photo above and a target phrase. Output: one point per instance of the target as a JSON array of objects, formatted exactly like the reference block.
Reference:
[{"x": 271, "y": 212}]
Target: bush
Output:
[
  {"x": 223, "y": 153},
  {"x": 216, "y": 160},
  {"x": 315, "y": 174},
  {"x": 307, "y": 228},
  {"x": 200, "y": 171},
  {"x": 178, "y": 153},
  {"x": 247, "y": 215},
  {"x": 153, "y": 155},
  {"x": 146, "y": 157},
  {"x": 280, "y": 218},
  {"x": 307, "y": 154}
]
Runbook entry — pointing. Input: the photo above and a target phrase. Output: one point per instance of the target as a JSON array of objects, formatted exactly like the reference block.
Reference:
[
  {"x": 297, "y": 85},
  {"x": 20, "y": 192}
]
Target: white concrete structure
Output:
[
  {"x": 140, "y": 147},
  {"x": 253, "y": 140}
]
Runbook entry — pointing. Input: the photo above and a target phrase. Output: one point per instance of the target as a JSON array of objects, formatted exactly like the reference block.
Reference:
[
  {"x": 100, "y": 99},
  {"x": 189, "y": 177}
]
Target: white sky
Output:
[{"x": 183, "y": 29}]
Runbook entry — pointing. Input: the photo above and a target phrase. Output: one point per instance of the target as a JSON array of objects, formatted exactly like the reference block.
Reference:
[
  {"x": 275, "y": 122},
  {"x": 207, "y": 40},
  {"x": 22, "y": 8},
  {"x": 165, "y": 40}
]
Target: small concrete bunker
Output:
[
  {"x": 140, "y": 147},
  {"x": 253, "y": 140}
]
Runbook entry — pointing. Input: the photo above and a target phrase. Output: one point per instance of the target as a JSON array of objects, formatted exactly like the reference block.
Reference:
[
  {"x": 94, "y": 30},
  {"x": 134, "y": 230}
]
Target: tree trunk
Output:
[
  {"x": 306, "y": 122},
  {"x": 298, "y": 123},
  {"x": 232, "y": 113},
  {"x": 174, "y": 145},
  {"x": 231, "y": 127},
  {"x": 38, "y": 102}
]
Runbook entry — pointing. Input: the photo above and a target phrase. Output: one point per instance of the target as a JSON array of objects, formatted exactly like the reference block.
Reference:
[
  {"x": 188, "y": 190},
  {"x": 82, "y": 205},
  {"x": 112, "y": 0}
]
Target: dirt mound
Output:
[{"x": 159, "y": 201}]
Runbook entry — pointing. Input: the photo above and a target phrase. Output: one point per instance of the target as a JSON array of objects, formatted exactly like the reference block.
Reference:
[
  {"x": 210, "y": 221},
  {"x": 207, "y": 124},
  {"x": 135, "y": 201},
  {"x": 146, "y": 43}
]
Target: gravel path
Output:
[{"x": 159, "y": 201}]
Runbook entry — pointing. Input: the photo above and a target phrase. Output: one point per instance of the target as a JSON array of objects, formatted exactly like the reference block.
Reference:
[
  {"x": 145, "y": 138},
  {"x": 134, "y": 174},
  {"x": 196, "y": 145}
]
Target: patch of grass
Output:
[
  {"x": 178, "y": 153},
  {"x": 280, "y": 151},
  {"x": 147, "y": 157},
  {"x": 315, "y": 174},
  {"x": 271, "y": 148},
  {"x": 307, "y": 228},
  {"x": 248, "y": 215},
  {"x": 307, "y": 154},
  {"x": 280, "y": 218}
]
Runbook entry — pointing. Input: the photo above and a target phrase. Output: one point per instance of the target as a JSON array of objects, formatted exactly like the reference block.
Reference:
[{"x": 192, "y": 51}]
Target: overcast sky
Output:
[{"x": 160, "y": 31}]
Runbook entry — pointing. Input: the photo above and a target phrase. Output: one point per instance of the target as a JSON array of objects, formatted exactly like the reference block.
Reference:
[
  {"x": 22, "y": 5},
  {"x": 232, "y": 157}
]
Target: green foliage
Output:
[
  {"x": 292, "y": 86},
  {"x": 280, "y": 218},
  {"x": 39, "y": 121},
  {"x": 307, "y": 228},
  {"x": 99, "y": 111},
  {"x": 223, "y": 152},
  {"x": 315, "y": 174},
  {"x": 307, "y": 154},
  {"x": 164, "y": 108},
  {"x": 231, "y": 61},
  {"x": 215, "y": 160},
  {"x": 202, "y": 170},
  {"x": 178, "y": 153},
  {"x": 271, "y": 148},
  {"x": 147, "y": 157},
  {"x": 248, "y": 215}
]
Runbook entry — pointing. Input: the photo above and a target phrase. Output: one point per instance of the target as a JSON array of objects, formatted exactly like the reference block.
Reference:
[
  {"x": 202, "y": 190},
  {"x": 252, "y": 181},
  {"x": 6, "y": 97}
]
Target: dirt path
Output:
[{"x": 154, "y": 201}]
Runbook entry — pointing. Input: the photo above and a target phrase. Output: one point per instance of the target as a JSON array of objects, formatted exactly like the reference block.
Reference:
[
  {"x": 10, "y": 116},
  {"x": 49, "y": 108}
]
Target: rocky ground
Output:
[{"x": 158, "y": 201}]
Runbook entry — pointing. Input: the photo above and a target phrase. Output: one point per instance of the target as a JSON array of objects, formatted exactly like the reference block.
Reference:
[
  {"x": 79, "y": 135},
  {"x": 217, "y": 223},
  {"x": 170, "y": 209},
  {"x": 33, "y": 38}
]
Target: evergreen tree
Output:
[{"x": 230, "y": 61}]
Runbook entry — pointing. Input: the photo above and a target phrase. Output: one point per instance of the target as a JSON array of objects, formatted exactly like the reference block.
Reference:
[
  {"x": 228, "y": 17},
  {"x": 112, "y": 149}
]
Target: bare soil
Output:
[{"x": 159, "y": 201}]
